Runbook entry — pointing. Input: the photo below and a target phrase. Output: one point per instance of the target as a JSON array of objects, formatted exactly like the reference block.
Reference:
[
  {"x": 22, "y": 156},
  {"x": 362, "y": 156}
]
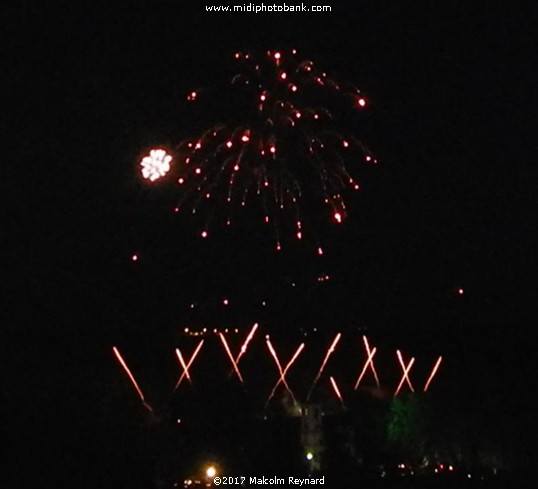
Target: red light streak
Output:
[
  {"x": 330, "y": 351},
  {"x": 244, "y": 346},
  {"x": 131, "y": 378},
  {"x": 188, "y": 365},
  {"x": 230, "y": 356},
  {"x": 283, "y": 372},
  {"x": 369, "y": 363},
  {"x": 336, "y": 389},
  {"x": 434, "y": 371},
  {"x": 406, "y": 370}
]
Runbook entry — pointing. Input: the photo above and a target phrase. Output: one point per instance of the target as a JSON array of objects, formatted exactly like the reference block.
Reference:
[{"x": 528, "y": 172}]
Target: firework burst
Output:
[
  {"x": 155, "y": 165},
  {"x": 281, "y": 138}
]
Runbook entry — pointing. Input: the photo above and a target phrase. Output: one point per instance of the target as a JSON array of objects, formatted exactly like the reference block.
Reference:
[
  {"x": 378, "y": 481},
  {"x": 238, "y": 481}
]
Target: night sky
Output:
[{"x": 89, "y": 90}]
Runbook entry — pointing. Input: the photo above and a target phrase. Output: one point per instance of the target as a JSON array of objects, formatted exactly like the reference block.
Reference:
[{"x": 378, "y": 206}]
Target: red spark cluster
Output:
[{"x": 283, "y": 138}]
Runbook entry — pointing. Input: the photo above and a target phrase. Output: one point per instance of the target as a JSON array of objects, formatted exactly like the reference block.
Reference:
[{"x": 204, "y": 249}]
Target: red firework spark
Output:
[{"x": 284, "y": 142}]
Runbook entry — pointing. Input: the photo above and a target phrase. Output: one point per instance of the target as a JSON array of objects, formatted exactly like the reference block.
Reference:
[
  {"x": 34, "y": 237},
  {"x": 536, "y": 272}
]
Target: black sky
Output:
[{"x": 89, "y": 88}]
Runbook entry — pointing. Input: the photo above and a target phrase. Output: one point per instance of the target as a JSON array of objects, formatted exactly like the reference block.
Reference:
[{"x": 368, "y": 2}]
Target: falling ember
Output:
[
  {"x": 461, "y": 291},
  {"x": 337, "y": 217},
  {"x": 230, "y": 356},
  {"x": 336, "y": 389},
  {"x": 330, "y": 351},
  {"x": 369, "y": 363},
  {"x": 434, "y": 371},
  {"x": 270, "y": 135},
  {"x": 204, "y": 234},
  {"x": 156, "y": 165},
  {"x": 188, "y": 365},
  {"x": 131, "y": 378},
  {"x": 320, "y": 251},
  {"x": 134, "y": 258},
  {"x": 405, "y": 376},
  {"x": 283, "y": 373}
]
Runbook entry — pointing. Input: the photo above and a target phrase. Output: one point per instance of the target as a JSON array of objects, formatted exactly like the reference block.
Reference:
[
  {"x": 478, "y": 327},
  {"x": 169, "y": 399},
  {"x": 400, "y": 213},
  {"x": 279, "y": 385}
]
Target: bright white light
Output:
[
  {"x": 156, "y": 165},
  {"x": 309, "y": 456},
  {"x": 211, "y": 471}
]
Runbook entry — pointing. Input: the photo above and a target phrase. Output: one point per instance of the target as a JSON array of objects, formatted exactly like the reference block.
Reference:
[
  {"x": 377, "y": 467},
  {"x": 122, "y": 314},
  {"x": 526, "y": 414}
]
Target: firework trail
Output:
[
  {"x": 432, "y": 375},
  {"x": 283, "y": 372},
  {"x": 330, "y": 351},
  {"x": 405, "y": 376},
  {"x": 336, "y": 390},
  {"x": 131, "y": 378},
  {"x": 369, "y": 363},
  {"x": 282, "y": 141},
  {"x": 242, "y": 350},
  {"x": 186, "y": 366},
  {"x": 230, "y": 356},
  {"x": 244, "y": 346}
]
